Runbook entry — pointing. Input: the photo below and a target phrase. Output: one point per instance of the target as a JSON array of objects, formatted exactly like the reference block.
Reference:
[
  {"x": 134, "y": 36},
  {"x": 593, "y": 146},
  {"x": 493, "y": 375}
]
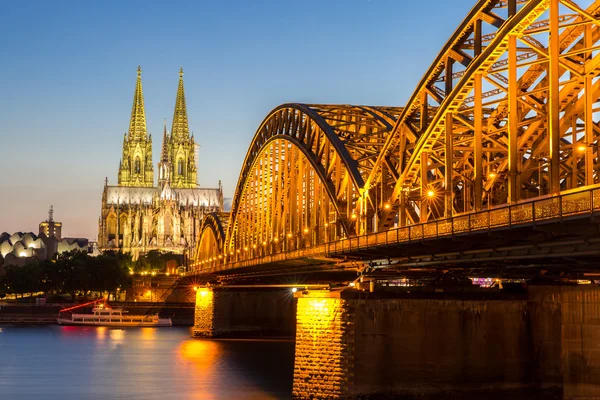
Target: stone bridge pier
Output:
[
  {"x": 240, "y": 312},
  {"x": 353, "y": 344}
]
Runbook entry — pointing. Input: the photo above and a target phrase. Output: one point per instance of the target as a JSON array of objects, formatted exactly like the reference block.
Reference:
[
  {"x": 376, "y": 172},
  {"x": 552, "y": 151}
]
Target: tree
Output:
[
  {"x": 71, "y": 272},
  {"x": 19, "y": 280},
  {"x": 75, "y": 270}
]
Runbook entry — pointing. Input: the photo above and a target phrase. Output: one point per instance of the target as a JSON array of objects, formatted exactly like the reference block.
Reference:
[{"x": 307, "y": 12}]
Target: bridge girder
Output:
[
  {"x": 212, "y": 239},
  {"x": 504, "y": 113},
  {"x": 305, "y": 170}
]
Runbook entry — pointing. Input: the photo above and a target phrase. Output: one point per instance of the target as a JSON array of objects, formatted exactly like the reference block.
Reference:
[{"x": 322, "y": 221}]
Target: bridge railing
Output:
[{"x": 570, "y": 203}]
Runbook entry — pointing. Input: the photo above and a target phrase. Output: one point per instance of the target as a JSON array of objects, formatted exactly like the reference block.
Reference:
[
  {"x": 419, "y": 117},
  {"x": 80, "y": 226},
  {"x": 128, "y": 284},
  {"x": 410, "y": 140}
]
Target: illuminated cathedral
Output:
[{"x": 138, "y": 216}]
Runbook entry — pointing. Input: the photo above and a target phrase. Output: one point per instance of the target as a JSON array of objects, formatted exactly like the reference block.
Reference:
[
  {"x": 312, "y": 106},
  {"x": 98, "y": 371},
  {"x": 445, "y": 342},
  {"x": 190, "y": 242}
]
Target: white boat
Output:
[{"x": 104, "y": 316}]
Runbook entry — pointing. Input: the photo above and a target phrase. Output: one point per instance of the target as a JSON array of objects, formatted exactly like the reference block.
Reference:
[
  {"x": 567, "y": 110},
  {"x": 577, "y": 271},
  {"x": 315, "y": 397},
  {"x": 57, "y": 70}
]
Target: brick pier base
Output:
[
  {"x": 353, "y": 344},
  {"x": 222, "y": 312}
]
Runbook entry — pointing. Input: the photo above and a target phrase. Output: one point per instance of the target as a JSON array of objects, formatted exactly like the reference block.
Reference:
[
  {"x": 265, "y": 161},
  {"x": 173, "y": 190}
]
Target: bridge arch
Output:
[
  {"x": 212, "y": 240},
  {"x": 505, "y": 113},
  {"x": 303, "y": 175}
]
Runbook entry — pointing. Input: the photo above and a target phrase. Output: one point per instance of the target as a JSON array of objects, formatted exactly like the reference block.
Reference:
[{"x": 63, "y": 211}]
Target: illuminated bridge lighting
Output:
[{"x": 434, "y": 167}]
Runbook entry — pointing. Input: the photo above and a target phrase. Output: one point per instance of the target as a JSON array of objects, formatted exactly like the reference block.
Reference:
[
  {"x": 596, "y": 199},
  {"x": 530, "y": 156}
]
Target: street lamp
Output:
[{"x": 539, "y": 159}]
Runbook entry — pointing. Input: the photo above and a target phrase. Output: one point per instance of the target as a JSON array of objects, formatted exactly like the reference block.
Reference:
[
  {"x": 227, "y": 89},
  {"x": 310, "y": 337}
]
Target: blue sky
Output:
[{"x": 68, "y": 74}]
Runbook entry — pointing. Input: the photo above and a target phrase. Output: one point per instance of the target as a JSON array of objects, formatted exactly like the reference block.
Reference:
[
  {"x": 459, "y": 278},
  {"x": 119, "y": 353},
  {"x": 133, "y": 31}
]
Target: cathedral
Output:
[{"x": 138, "y": 216}]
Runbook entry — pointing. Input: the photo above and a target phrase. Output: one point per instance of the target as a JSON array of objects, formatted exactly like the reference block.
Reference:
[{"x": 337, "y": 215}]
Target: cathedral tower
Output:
[
  {"x": 164, "y": 165},
  {"x": 181, "y": 146},
  {"x": 136, "y": 167}
]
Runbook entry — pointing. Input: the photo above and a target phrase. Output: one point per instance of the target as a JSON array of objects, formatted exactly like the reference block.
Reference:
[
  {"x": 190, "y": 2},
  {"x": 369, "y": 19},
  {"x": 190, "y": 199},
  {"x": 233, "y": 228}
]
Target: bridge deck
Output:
[{"x": 462, "y": 237}]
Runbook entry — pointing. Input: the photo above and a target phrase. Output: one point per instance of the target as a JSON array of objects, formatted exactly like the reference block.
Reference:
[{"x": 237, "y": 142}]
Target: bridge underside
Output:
[{"x": 569, "y": 248}]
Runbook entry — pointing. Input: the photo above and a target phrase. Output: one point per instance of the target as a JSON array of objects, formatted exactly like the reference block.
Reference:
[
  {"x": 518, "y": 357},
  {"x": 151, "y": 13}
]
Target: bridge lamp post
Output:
[
  {"x": 491, "y": 176},
  {"x": 541, "y": 162},
  {"x": 307, "y": 238},
  {"x": 429, "y": 197},
  {"x": 264, "y": 243},
  {"x": 354, "y": 218},
  {"x": 588, "y": 160}
]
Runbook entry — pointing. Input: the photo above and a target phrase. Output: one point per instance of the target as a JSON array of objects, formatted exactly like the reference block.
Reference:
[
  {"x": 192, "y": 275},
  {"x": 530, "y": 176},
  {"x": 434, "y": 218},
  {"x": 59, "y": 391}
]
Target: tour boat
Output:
[{"x": 114, "y": 317}]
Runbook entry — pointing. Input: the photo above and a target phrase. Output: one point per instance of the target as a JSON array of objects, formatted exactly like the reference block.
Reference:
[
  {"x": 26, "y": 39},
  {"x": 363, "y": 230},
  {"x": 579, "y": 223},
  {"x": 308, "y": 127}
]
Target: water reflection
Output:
[
  {"x": 202, "y": 354},
  {"x": 117, "y": 337},
  {"x": 101, "y": 333},
  {"x": 146, "y": 363}
]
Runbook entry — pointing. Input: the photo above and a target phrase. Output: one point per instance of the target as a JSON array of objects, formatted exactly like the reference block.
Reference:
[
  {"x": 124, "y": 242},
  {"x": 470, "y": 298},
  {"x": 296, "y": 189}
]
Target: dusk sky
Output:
[{"x": 69, "y": 68}]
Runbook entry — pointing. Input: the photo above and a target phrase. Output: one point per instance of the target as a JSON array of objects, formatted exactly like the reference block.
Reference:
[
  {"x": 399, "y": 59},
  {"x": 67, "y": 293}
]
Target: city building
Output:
[
  {"x": 21, "y": 247},
  {"x": 137, "y": 216},
  {"x": 50, "y": 227}
]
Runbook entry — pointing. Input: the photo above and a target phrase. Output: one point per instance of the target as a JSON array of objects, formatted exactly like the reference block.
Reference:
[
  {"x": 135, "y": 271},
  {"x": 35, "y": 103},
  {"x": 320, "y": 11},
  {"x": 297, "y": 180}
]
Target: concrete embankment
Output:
[
  {"x": 181, "y": 314},
  {"x": 28, "y": 314}
]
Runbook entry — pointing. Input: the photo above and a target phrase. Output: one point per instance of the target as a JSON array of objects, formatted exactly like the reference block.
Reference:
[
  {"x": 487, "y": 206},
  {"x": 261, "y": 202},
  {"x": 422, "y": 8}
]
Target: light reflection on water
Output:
[{"x": 139, "y": 363}]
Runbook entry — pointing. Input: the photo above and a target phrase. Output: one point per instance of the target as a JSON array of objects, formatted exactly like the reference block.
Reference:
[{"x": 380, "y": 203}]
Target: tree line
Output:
[
  {"x": 72, "y": 273},
  {"x": 76, "y": 273}
]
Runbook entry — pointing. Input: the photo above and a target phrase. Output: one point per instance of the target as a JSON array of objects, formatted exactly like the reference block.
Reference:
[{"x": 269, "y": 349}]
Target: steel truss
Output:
[
  {"x": 507, "y": 112},
  {"x": 301, "y": 179},
  {"x": 212, "y": 239}
]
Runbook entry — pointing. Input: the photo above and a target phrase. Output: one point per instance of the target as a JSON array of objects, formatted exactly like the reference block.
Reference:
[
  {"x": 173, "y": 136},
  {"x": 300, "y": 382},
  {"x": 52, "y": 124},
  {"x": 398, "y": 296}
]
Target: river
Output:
[{"x": 63, "y": 362}]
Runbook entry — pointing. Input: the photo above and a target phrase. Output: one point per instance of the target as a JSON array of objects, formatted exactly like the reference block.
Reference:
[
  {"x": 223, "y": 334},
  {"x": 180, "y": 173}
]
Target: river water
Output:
[{"x": 63, "y": 362}]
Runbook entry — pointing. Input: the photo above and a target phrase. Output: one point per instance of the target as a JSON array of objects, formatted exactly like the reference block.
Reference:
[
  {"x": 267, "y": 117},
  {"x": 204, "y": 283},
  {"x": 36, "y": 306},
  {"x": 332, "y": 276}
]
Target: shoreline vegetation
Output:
[{"x": 76, "y": 276}]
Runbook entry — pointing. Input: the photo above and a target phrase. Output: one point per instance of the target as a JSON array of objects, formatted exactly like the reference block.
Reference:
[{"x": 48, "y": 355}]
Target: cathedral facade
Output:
[{"x": 138, "y": 216}]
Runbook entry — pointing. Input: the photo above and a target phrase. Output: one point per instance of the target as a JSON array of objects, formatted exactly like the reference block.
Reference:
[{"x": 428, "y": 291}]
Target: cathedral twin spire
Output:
[
  {"x": 137, "y": 123},
  {"x": 135, "y": 168},
  {"x": 177, "y": 164},
  {"x": 180, "y": 130}
]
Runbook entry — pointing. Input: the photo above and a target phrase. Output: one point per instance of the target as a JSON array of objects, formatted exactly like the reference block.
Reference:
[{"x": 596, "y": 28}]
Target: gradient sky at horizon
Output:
[{"x": 68, "y": 74}]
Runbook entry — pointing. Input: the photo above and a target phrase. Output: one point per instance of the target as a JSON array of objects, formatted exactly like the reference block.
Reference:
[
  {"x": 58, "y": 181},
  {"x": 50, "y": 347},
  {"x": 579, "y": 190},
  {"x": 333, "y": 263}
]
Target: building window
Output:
[
  {"x": 180, "y": 167},
  {"x": 137, "y": 165}
]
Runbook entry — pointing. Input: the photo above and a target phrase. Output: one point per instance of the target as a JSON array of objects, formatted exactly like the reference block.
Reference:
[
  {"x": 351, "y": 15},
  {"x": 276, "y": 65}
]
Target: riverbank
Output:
[{"x": 182, "y": 314}]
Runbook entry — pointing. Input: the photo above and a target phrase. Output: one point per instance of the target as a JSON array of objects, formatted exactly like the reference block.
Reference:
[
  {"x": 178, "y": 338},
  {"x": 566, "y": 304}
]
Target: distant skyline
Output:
[{"x": 69, "y": 70}]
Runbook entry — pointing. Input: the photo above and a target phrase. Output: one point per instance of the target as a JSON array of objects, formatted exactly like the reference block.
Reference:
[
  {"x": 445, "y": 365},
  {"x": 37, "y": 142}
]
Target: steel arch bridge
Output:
[{"x": 506, "y": 114}]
